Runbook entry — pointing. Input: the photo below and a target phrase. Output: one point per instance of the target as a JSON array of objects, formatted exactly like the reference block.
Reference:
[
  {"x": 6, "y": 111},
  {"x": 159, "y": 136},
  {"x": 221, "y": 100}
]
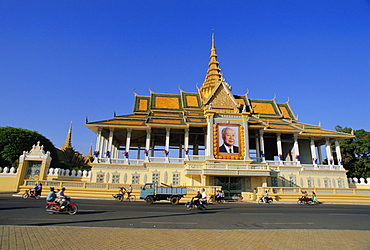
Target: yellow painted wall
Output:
[{"x": 8, "y": 183}]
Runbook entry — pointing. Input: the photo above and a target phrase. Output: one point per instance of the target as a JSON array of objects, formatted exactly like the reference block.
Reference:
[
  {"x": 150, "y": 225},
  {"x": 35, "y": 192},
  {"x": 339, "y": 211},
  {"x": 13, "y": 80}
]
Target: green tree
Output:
[
  {"x": 13, "y": 141},
  {"x": 356, "y": 152}
]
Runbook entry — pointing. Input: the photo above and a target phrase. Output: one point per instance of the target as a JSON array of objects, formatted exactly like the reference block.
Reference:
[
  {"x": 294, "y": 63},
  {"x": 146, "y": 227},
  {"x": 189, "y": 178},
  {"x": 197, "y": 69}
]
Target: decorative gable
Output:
[{"x": 222, "y": 100}]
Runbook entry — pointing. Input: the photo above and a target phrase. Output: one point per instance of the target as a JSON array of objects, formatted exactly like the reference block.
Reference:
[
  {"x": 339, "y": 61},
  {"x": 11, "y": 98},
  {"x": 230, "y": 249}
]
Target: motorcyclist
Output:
[
  {"x": 196, "y": 198},
  {"x": 304, "y": 196},
  {"x": 314, "y": 197},
  {"x": 265, "y": 197},
  {"x": 51, "y": 195},
  {"x": 39, "y": 189},
  {"x": 62, "y": 198},
  {"x": 204, "y": 196},
  {"x": 35, "y": 189},
  {"x": 218, "y": 196}
]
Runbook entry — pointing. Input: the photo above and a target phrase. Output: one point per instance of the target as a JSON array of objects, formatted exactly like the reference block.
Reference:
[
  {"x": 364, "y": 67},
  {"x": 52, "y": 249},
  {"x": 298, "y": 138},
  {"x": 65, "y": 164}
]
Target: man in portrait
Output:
[{"x": 228, "y": 137}]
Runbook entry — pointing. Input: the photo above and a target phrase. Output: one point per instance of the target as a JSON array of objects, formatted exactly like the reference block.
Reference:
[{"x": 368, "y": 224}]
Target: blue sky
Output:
[{"x": 63, "y": 61}]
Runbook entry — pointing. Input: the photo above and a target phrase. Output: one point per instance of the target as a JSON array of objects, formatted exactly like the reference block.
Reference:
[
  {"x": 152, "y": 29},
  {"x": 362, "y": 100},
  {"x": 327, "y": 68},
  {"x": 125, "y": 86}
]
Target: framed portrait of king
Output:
[{"x": 228, "y": 141}]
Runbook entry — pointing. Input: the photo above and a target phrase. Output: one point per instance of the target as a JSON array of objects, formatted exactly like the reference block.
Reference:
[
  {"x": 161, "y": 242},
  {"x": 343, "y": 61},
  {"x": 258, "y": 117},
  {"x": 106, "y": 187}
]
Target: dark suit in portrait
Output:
[{"x": 222, "y": 149}]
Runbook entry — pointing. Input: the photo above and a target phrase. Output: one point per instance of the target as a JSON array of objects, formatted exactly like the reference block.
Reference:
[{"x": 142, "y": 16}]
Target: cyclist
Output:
[
  {"x": 129, "y": 191},
  {"x": 121, "y": 193}
]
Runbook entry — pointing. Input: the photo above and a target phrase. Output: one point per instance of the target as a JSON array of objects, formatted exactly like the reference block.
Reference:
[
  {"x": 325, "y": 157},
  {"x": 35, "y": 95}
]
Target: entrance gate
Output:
[{"x": 230, "y": 185}]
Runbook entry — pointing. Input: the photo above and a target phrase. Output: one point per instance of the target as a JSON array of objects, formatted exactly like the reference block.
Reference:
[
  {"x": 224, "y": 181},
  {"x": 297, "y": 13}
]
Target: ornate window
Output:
[
  {"x": 327, "y": 183},
  {"x": 135, "y": 179},
  {"x": 115, "y": 178},
  {"x": 100, "y": 177},
  {"x": 155, "y": 177},
  {"x": 310, "y": 182},
  {"x": 340, "y": 183},
  {"x": 175, "y": 178}
]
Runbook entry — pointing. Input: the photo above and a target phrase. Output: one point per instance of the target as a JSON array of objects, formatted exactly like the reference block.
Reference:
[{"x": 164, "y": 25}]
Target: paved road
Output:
[{"x": 110, "y": 213}]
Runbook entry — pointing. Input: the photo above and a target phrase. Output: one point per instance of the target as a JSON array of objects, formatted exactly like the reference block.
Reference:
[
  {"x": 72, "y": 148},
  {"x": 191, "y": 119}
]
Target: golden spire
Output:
[
  {"x": 90, "y": 154},
  {"x": 68, "y": 142},
  {"x": 213, "y": 76}
]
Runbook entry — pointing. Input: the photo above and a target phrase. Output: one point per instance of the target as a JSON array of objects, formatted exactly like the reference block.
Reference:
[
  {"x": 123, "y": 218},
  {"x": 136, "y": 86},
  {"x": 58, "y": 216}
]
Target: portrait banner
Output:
[{"x": 228, "y": 141}]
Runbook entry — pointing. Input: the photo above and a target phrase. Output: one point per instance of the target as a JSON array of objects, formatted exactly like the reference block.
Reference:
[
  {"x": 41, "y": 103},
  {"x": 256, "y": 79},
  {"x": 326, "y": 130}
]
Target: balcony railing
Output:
[{"x": 273, "y": 165}]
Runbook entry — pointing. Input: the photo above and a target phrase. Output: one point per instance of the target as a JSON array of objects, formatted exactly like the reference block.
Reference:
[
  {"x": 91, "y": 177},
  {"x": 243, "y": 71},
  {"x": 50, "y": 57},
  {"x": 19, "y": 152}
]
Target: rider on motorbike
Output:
[
  {"x": 304, "y": 196},
  {"x": 62, "y": 198},
  {"x": 196, "y": 198},
  {"x": 265, "y": 197},
  {"x": 51, "y": 195},
  {"x": 204, "y": 196},
  {"x": 35, "y": 190}
]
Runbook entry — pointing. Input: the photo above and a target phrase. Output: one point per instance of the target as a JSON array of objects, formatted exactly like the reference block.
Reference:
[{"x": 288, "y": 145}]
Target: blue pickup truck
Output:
[{"x": 151, "y": 193}]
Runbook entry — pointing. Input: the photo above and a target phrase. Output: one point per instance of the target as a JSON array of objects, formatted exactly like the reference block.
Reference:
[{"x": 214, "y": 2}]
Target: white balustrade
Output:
[
  {"x": 8, "y": 171},
  {"x": 361, "y": 181},
  {"x": 55, "y": 172}
]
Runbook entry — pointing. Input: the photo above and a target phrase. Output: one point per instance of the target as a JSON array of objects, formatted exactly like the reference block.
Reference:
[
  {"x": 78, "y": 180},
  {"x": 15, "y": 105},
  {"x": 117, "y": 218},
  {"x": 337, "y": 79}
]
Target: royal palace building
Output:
[{"x": 213, "y": 137}]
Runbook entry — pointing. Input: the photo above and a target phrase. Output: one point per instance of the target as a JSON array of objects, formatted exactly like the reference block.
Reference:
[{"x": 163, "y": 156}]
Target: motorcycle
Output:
[
  {"x": 54, "y": 207},
  {"x": 307, "y": 201},
  {"x": 268, "y": 200},
  {"x": 201, "y": 205},
  {"x": 214, "y": 200},
  {"x": 31, "y": 193}
]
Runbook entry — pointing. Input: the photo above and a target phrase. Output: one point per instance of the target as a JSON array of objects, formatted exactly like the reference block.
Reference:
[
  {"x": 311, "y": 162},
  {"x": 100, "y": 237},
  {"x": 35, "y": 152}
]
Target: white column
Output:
[
  {"x": 258, "y": 150},
  {"x": 147, "y": 143},
  {"x": 328, "y": 152},
  {"x": 339, "y": 155},
  {"x": 114, "y": 151},
  {"x": 167, "y": 145},
  {"x": 110, "y": 141},
  {"x": 186, "y": 143},
  {"x": 279, "y": 147},
  {"x": 128, "y": 140},
  {"x": 262, "y": 144},
  {"x": 313, "y": 151},
  {"x": 117, "y": 151},
  {"x": 319, "y": 153},
  {"x": 209, "y": 145},
  {"x": 296, "y": 149},
  {"x": 101, "y": 146},
  {"x": 98, "y": 135},
  {"x": 105, "y": 146},
  {"x": 246, "y": 139}
]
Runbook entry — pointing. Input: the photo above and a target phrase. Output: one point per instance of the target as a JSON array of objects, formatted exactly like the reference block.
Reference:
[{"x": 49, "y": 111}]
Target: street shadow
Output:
[
  {"x": 12, "y": 208},
  {"x": 186, "y": 213},
  {"x": 92, "y": 212}
]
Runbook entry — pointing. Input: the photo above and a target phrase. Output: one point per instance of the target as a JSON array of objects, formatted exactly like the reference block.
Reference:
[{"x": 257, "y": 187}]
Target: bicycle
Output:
[
  {"x": 121, "y": 197},
  {"x": 131, "y": 197},
  {"x": 214, "y": 200}
]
